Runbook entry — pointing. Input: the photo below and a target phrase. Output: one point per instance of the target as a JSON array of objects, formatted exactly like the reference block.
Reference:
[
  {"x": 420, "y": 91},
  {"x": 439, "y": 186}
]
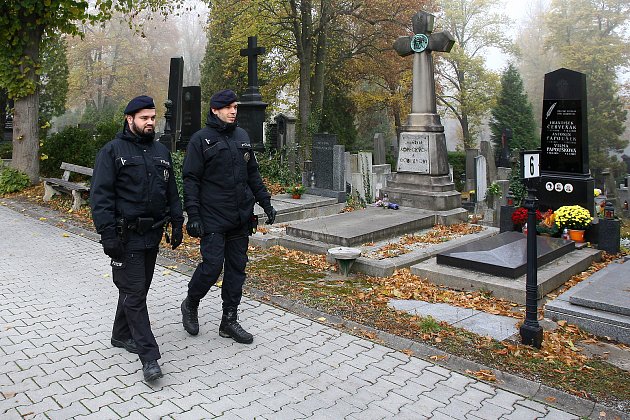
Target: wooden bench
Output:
[{"x": 53, "y": 186}]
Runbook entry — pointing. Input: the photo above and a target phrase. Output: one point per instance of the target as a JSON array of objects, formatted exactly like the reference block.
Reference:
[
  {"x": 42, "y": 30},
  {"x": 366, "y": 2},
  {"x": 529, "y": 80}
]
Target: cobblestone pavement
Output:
[{"x": 57, "y": 303}]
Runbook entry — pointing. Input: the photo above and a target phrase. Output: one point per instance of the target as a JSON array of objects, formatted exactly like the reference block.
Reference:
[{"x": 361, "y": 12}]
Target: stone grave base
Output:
[
  {"x": 362, "y": 227},
  {"x": 307, "y": 206},
  {"x": 550, "y": 276},
  {"x": 505, "y": 254},
  {"x": 600, "y": 304}
]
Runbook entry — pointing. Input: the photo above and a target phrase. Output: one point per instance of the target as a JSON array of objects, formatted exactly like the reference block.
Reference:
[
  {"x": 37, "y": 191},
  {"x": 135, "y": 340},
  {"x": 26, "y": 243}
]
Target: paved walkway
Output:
[{"x": 56, "y": 306}]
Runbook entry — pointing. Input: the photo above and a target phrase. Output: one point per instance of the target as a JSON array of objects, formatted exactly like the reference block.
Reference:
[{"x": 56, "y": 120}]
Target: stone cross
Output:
[
  {"x": 421, "y": 44},
  {"x": 252, "y": 52}
]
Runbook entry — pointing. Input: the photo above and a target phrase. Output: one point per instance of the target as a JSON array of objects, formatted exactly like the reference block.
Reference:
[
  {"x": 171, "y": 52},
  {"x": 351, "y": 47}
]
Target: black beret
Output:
[
  {"x": 222, "y": 99},
  {"x": 138, "y": 103}
]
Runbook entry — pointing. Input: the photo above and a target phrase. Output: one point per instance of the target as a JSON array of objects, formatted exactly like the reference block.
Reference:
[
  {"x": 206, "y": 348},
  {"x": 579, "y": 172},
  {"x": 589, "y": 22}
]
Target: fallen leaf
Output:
[
  {"x": 550, "y": 399},
  {"x": 172, "y": 267},
  {"x": 321, "y": 319},
  {"x": 408, "y": 352},
  {"x": 166, "y": 272},
  {"x": 438, "y": 357},
  {"x": 483, "y": 374},
  {"x": 8, "y": 394},
  {"x": 65, "y": 235},
  {"x": 562, "y": 323}
]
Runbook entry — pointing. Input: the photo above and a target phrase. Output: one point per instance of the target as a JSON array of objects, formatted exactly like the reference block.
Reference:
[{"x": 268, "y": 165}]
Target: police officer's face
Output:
[
  {"x": 143, "y": 122},
  {"x": 227, "y": 114}
]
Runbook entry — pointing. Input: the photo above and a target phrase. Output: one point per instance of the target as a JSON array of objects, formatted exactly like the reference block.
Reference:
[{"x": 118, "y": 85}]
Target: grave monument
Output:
[
  {"x": 251, "y": 108},
  {"x": 175, "y": 87},
  {"x": 422, "y": 180},
  {"x": 564, "y": 166}
]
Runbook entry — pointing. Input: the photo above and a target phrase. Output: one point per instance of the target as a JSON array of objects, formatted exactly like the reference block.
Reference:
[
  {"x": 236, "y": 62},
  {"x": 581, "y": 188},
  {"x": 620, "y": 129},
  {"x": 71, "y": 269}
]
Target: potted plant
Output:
[
  {"x": 575, "y": 219},
  {"x": 547, "y": 225},
  {"x": 296, "y": 190},
  {"x": 493, "y": 192},
  {"x": 519, "y": 218}
]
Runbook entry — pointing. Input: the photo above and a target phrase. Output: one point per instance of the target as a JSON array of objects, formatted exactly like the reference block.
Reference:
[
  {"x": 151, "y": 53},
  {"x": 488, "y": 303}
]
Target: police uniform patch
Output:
[
  {"x": 166, "y": 174},
  {"x": 246, "y": 156}
]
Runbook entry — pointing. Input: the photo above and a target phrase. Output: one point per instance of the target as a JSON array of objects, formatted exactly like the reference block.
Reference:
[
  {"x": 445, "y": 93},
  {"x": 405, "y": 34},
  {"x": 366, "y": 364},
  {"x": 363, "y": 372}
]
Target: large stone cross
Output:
[
  {"x": 252, "y": 52},
  {"x": 421, "y": 44}
]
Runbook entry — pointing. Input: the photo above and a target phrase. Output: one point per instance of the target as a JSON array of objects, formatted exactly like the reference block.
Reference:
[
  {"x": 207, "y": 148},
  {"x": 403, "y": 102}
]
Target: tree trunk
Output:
[
  {"x": 317, "y": 83},
  {"x": 305, "y": 55},
  {"x": 26, "y": 136},
  {"x": 26, "y": 120}
]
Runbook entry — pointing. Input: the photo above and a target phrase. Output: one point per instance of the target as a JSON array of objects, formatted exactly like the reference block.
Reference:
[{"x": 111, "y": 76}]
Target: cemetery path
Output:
[{"x": 56, "y": 308}]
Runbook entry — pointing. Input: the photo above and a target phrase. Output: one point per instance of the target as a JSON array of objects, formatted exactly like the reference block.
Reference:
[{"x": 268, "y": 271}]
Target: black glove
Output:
[
  {"x": 271, "y": 215},
  {"x": 194, "y": 227},
  {"x": 177, "y": 236},
  {"x": 114, "y": 248}
]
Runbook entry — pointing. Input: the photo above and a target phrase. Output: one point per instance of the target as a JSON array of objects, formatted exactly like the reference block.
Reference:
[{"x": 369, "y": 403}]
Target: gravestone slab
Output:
[
  {"x": 191, "y": 114},
  {"x": 322, "y": 154},
  {"x": 481, "y": 177},
  {"x": 338, "y": 168},
  {"x": 504, "y": 254},
  {"x": 610, "y": 293},
  {"x": 379, "y": 149},
  {"x": 175, "y": 87},
  {"x": 485, "y": 148}
]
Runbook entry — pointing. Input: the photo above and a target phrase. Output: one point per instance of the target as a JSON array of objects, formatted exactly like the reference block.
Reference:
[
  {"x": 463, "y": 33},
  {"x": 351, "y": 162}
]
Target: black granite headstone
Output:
[
  {"x": 564, "y": 164},
  {"x": 322, "y": 155},
  {"x": 504, "y": 254},
  {"x": 175, "y": 82},
  {"x": 191, "y": 114},
  {"x": 251, "y": 108}
]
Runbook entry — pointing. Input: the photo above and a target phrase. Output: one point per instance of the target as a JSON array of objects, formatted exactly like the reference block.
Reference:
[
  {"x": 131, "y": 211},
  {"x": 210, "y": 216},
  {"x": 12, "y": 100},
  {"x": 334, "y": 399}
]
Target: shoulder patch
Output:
[{"x": 246, "y": 145}]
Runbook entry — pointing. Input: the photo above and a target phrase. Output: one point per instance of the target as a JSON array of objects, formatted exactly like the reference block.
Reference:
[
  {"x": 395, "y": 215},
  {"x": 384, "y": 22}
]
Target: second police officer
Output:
[{"x": 221, "y": 185}]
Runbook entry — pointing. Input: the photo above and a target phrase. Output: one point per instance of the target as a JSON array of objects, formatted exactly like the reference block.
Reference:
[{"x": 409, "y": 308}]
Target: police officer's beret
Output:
[
  {"x": 138, "y": 103},
  {"x": 222, "y": 99}
]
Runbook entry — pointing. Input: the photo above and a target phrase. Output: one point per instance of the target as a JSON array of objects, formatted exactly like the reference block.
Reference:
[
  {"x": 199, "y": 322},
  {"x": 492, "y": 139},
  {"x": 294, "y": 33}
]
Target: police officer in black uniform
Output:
[
  {"x": 134, "y": 198},
  {"x": 221, "y": 185}
]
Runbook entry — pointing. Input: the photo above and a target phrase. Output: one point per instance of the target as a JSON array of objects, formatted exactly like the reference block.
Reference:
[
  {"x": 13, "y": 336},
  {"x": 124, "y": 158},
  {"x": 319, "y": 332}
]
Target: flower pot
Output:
[
  {"x": 296, "y": 196},
  {"x": 576, "y": 235}
]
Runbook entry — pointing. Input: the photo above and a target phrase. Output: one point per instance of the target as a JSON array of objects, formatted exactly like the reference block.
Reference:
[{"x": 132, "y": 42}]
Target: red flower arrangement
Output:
[{"x": 519, "y": 217}]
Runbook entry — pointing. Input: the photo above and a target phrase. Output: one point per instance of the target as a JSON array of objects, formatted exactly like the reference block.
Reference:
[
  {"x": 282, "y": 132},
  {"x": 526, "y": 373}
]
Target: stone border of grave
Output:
[{"x": 372, "y": 267}]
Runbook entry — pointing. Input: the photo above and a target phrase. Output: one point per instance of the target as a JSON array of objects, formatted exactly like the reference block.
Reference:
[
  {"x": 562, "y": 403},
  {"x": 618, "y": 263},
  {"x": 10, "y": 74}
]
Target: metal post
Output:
[{"x": 531, "y": 331}]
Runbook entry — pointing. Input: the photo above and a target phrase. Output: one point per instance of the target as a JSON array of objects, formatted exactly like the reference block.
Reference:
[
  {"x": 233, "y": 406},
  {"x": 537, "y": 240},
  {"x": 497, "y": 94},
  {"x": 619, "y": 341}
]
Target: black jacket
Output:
[
  {"x": 133, "y": 177},
  {"x": 221, "y": 177}
]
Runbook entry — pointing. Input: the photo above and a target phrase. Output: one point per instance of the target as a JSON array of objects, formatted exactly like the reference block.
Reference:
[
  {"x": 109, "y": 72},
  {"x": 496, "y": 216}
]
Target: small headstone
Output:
[
  {"x": 191, "y": 114},
  {"x": 338, "y": 168},
  {"x": 379, "y": 149},
  {"x": 471, "y": 154},
  {"x": 485, "y": 148},
  {"x": 322, "y": 154},
  {"x": 481, "y": 178}
]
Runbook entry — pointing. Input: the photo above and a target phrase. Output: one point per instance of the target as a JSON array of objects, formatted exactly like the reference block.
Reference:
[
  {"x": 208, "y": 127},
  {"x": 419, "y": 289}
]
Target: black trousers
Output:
[
  {"x": 132, "y": 317},
  {"x": 221, "y": 251}
]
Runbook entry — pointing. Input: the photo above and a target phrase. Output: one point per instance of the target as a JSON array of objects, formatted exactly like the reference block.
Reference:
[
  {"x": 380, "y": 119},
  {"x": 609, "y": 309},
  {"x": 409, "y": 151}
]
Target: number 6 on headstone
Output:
[{"x": 531, "y": 164}]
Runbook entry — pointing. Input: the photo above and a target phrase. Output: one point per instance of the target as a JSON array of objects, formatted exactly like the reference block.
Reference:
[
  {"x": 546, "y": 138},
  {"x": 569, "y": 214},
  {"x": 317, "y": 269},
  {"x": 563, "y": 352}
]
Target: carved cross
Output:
[
  {"x": 421, "y": 44},
  {"x": 252, "y": 52}
]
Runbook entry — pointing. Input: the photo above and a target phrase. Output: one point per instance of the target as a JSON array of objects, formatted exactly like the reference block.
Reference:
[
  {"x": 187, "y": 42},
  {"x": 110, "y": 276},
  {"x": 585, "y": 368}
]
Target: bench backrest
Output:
[{"x": 69, "y": 167}]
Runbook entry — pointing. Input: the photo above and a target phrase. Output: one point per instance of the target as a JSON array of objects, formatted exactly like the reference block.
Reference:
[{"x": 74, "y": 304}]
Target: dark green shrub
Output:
[
  {"x": 178, "y": 163},
  {"x": 458, "y": 161},
  {"x": 74, "y": 145},
  {"x": 12, "y": 180},
  {"x": 275, "y": 170},
  {"x": 6, "y": 150}
]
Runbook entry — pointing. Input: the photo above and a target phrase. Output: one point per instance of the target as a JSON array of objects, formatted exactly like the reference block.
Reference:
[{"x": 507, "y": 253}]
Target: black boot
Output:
[
  {"x": 190, "y": 317},
  {"x": 127, "y": 344},
  {"x": 151, "y": 370},
  {"x": 231, "y": 328}
]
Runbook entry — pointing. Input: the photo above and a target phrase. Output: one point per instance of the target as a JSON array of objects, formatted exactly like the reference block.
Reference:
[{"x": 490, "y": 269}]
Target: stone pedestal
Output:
[{"x": 251, "y": 116}]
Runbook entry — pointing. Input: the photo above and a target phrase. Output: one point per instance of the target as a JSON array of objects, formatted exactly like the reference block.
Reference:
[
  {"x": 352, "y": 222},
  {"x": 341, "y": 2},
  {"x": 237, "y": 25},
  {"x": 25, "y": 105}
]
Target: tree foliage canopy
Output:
[{"x": 513, "y": 111}]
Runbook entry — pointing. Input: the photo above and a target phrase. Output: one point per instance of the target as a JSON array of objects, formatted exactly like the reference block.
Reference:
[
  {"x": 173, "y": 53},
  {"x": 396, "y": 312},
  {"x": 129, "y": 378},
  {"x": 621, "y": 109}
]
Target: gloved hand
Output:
[
  {"x": 194, "y": 227},
  {"x": 177, "y": 236},
  {"x": 114, "y": 248},
  {"x": 271, "y": 215}
]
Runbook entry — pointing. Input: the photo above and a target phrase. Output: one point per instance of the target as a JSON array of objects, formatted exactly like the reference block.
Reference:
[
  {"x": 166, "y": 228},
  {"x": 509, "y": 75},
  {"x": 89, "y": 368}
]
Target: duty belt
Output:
[{"x": 144, "y": 224}]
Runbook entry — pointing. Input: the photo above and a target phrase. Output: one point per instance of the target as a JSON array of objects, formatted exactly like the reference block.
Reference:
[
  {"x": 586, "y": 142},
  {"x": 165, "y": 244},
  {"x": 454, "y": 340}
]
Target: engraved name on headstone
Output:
[{"x": 413, "y": 153}]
